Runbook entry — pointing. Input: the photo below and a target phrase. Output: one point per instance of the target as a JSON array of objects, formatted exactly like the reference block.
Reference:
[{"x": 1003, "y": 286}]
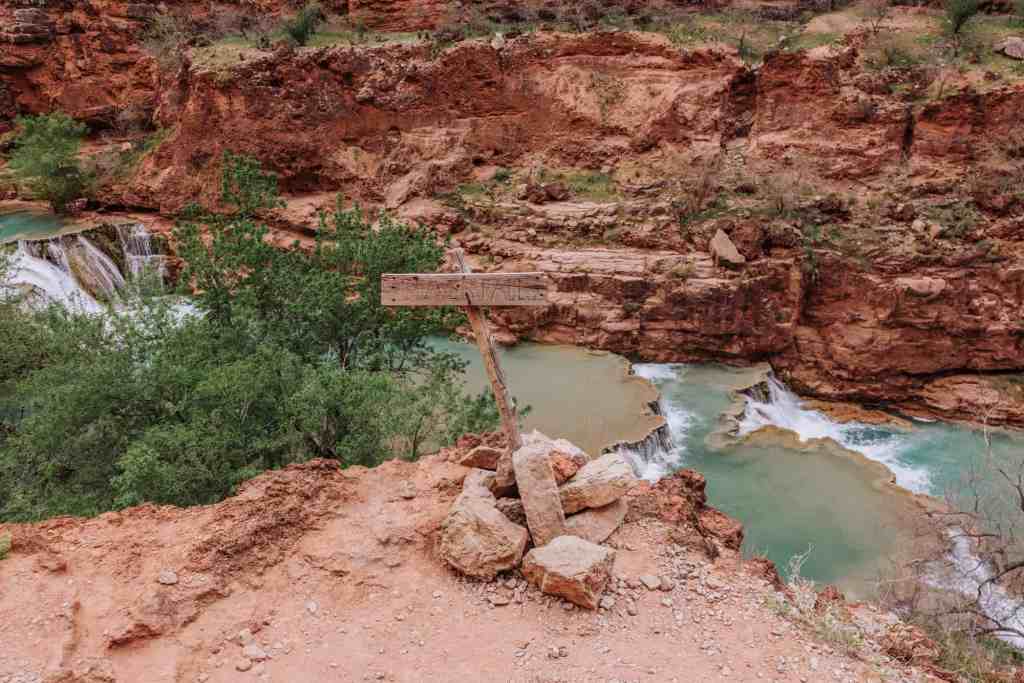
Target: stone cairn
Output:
[{"x": 550, "y": 494}]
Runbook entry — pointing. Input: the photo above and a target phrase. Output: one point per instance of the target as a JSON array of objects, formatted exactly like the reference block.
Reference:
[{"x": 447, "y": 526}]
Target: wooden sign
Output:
[
  {"x": 464, "y": 289},
  {"x": 470, "y": 291}
]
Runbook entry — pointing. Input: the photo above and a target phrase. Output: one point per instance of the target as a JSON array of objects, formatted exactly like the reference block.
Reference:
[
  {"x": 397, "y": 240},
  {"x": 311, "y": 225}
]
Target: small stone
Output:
[
  {"x": 499, "y": 599},
  {"x": 243, "y": 664},
  {"x": 652, "y": 582},
  {"x": 667, "y": 584},
  {"x": 408, "y": 491},
  {"x": 245, "y": 637},
  {"x": 312, "y": 607},
  {"x": 254, "y": 652},
  {"x": 631, "y": 609},
  {"x": 607, "y": 602},
  {"x": 167, "y": 577}
]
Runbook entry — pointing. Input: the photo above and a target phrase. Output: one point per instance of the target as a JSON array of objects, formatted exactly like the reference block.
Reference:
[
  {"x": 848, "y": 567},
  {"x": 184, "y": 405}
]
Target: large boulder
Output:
[
  {"x": 598, "y": 524},
  {"x": 571, "y": 568},
  {"x": 477, "y": 539},
  {"x": 598, "y": 483},
  {"x": 538, "y": 490},
  {"x": 1012, "y": 47},
  {"x": 724, "y": 251}
]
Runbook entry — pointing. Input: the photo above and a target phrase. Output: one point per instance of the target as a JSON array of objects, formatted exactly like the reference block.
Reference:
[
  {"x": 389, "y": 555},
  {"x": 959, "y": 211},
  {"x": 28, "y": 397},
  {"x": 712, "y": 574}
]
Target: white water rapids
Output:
[
  {"x": 57, "y": 284},
  {"x": 74, "y": 259},
  {"x": 961, "y": 571}
]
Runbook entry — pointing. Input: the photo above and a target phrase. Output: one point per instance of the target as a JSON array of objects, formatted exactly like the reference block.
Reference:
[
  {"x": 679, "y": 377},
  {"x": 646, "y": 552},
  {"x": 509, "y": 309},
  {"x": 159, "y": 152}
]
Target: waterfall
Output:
[
  {"x": 771, "y": 404},
  {"x": 661, "y": 452},
  {"x": 100, "y": 268},
  {"x": 137, "y": 245},
  {"x": 57, "y": 284}
]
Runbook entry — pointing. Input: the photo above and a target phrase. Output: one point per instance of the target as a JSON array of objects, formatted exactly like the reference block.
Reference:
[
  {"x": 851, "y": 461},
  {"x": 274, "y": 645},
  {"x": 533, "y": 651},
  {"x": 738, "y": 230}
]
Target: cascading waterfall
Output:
[
  {"x": 661, "y": 452},
  {"x": 65, "y": 268},
  {"x": 137, "y": 245},
  {"x": 771, "y": 404},
  {"x": 58, "y": 285},
  {"x": 101, "y": 268}
]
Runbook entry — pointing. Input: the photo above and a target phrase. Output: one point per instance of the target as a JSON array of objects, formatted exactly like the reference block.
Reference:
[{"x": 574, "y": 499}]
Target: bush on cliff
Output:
[
  {"x": 304, "y": 24},
  {"x": 45, "y": 158},
  {"x": 294, "y": 358}
]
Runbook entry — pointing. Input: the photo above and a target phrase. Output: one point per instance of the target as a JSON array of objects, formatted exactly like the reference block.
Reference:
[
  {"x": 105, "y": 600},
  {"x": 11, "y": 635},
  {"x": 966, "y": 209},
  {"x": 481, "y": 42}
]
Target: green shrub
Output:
[
  {"x": 959, "y": 12},
  {"x": 303, "y": 25},
  {"x": 5, "y": 546},
  {"x": 293, "y": 358},
  {"x": 45, "y": 158}
]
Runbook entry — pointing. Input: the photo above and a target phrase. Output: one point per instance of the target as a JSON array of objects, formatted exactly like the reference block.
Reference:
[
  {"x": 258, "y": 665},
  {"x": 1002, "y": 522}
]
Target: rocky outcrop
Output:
[
  {"x": 571, "y": 568},
  {"x": 85, "y": 59}
]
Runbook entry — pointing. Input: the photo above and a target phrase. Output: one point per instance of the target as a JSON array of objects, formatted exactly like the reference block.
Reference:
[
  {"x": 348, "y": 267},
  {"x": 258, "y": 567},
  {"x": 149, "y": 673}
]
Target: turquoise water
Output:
[
  {"x": 19, "y": 225},
  {"x": 802, "y": 483},
  {"x": 799, "y": 482}
]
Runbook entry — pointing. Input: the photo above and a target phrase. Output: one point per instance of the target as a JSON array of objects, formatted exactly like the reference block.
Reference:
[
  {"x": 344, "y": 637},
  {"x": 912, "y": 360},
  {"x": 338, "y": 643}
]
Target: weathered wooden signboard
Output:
[
  {"x": 464, "y": 289},
  {"x": 471, "y": 291}
]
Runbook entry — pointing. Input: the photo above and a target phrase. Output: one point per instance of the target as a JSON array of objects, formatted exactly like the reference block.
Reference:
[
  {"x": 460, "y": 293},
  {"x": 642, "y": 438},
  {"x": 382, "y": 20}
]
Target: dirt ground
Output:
[{"x": 316, "y": 574}]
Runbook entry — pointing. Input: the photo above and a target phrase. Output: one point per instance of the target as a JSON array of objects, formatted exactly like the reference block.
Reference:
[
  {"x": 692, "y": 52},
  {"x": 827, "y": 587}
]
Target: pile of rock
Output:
[
  {"x": 29, "y": 26},
  {"x": 550, "y": 493}
]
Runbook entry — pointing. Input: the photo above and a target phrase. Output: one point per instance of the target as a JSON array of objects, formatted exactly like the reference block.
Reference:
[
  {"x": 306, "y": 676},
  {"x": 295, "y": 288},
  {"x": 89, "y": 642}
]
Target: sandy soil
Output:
[{"x": 314, "y": 574}]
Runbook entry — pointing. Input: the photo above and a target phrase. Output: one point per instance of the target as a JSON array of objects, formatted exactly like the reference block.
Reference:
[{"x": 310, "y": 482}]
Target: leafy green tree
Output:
[
  {"x": 293, "y": 358},
  {"x": 45, "y": 158},
  {"x": 959, "y": 12}
]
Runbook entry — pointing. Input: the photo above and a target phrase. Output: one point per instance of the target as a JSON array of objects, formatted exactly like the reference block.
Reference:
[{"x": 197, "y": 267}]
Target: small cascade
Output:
[
  {"x": 969, "y": 575},
  {"x": 57, "y": 285},
  {"x": 771, "y": 404},
  {"x": 139, "y": 255},
  {"x": 661, "y": 452},
  {"x": 99, "y": 269}
]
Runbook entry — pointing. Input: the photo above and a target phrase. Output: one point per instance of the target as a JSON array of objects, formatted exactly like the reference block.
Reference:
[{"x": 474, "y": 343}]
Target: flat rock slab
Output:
[
  {"x": 571, "y": 568},
  {"x": 538, "y": 490},
  {"x": 477, "y": 539},
  {"x": 598, "y": 483},
  {"x": 598, "y": 524}
]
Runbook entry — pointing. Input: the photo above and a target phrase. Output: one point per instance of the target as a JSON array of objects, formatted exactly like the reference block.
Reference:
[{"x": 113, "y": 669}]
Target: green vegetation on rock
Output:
[
  {"x": 45, "y": 158},
  {"x": 292, "y": 358}
]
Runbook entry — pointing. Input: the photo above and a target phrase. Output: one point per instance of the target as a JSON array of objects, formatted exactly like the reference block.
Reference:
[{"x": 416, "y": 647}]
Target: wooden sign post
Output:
[{"x": 471, "y": 292}]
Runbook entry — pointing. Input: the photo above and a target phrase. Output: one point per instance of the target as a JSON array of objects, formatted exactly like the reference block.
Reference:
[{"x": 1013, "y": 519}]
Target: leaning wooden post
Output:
[
  {"x": 482, "y": 332},
  {"x": 471, "y": 292}
]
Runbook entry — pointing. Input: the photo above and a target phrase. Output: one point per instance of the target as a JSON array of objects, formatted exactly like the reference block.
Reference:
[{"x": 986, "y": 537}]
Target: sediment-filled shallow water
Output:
[{"x": 587, "y": 397}]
